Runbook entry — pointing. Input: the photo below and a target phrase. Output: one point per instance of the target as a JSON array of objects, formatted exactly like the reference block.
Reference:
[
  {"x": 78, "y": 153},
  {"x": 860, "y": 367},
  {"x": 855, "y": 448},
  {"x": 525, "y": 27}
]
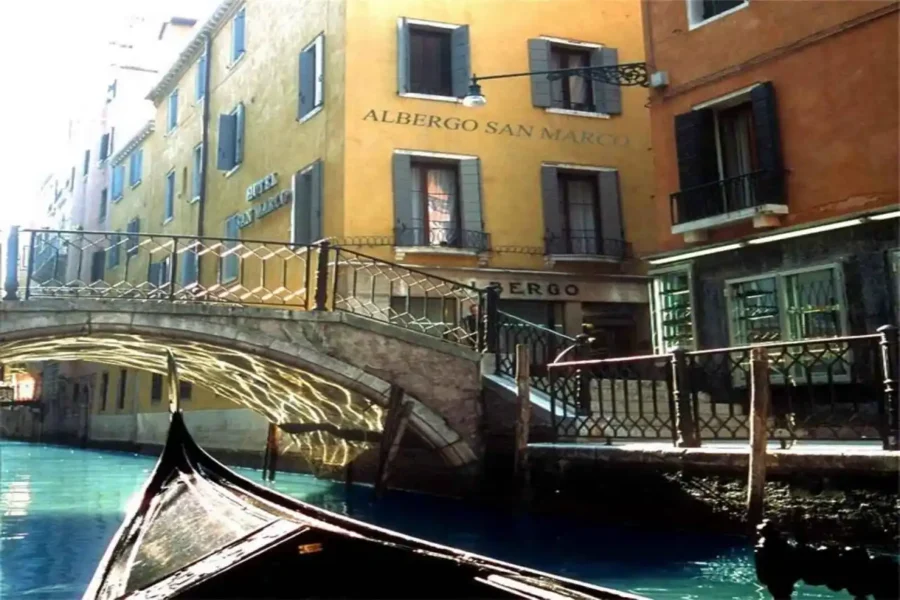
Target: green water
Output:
[{"x": 59, "y": 507}]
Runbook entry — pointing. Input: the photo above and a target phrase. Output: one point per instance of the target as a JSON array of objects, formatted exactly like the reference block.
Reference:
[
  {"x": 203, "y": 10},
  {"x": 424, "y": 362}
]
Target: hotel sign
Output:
[
  {"x": 262, "y": 186},
  {"x": 251, "y": 215}
]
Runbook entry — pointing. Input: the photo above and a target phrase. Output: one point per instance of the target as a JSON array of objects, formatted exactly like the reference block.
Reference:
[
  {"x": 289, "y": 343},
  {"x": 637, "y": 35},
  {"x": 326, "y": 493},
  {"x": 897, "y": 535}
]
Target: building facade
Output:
[
  {"x": 776, "y": 193},
  {"x": 300, "y": 121}
]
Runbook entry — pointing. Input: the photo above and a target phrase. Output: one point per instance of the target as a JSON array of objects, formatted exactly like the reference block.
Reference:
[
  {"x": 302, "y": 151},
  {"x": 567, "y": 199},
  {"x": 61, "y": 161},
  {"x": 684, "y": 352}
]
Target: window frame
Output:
[
  {"x": 103, "y": 208},
  {"x": 564, "y": 205},
  {"x": 169, "y": 197},
  {"x": 319, "y": 91},
  {"x": 234, "y": 55},
  {"x": 136, "y": 157},
  {"x": 694, "y": 10},
  {"x": 568, "y": 50},
  {"x": 425, "y": 24},
  {"x": 118, "y": 174},
  {"x": 132, "y": 239},
  {"x": 113, "y": 256},
  {"x": 656, "y": 324},
  {"x": 200, "y": 83},
  {"x": 197, "y": 171},
  {"x": 172, "y": 112},
  {"x": 427, "y": 164}
]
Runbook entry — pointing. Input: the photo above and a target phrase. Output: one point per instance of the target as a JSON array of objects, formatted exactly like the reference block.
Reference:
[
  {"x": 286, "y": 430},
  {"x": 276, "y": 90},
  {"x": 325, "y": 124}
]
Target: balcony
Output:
[
  {"x": 439, "y": 238},
  {"x": 583, "y": 245},
  {"x": 757, "y": 196}
]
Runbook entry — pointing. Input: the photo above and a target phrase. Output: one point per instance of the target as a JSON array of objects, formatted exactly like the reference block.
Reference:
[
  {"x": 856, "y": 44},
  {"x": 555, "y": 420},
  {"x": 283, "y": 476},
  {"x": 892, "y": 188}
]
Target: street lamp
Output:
[{"x": 628, "y": 74}]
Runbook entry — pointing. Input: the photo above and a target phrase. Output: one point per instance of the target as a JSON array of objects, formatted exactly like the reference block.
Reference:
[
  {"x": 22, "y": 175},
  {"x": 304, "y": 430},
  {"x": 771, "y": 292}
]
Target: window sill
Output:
[
  {"x": 694, "y": 229},
  {"x": 692, "y": 26},
  {"x": 436, "y": 97},
  {"x": 233, "y": 170},
  {"x": 117, "y": 200},
  {"x": 311, "y": 114},
  {"x": 235, "y": 62},
  {"x": 168, "y": 220},
  {"x": 576, "y": 113},
  {"x": 135, "y": 184},
  {"x": 581, "y": 258},
  {"x": 400, "y": 252},
  {"x": 171, "y": 132},
  {"x": 194, "y": 200}
]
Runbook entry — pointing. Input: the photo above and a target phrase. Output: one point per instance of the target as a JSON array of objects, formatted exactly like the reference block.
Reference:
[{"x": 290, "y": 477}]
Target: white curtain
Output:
[
  {"x": 443, "y": 217},
  {"x": 582, "y": 216},
  {"x": 736, "y": 136}
]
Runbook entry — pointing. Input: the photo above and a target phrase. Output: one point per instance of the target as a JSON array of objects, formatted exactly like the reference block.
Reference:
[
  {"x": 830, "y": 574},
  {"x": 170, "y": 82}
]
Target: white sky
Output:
[{"x": 56, "y": 58}]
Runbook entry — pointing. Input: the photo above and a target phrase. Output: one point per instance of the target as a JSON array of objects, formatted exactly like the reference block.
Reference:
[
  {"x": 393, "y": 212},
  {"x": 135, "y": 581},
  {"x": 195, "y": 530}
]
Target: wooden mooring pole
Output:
[
  {"x": 395, "y": 422},
  {"x": 760, "y": 400},
  {"x": 523, "y": 411},
  {"x": 270, "y": 458}
]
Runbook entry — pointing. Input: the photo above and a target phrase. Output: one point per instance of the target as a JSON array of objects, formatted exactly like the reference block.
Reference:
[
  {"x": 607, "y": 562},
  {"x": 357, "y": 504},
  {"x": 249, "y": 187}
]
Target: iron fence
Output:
[
  {"x": 440, "y": 234},
  {"x": 586, "y": 242},
  {"x": 544, "y": 345},
  {"x": 842, "y": 388},
  {"x": 725, "y": 196}
]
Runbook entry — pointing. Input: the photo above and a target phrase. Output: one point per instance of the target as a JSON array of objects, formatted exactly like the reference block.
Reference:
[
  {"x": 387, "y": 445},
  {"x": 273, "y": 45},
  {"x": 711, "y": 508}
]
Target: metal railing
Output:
[
  {"x": 726, "y": 195},
  {"x": 441, "y": 235},
  {"x": 842, "y": 388},
  {"x": 586, "y": 242},
  {"x": 544, "y": 345}
]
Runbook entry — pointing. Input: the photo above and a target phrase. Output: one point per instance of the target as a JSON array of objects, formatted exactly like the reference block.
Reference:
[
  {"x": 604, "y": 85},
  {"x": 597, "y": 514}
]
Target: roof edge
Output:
[{"x": 142, "y": 134}]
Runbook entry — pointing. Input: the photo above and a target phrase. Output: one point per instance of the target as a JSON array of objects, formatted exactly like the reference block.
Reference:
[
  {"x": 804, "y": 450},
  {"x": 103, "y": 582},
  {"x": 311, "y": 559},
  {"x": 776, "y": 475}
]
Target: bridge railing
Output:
[
  {"x": 842, "y": 388},
  {"x": 181, "y": 268}
]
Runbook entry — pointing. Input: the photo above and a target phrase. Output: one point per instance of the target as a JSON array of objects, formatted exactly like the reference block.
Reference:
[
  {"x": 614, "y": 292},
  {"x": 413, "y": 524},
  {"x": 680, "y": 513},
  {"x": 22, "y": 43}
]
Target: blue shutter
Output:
[
  {"x": 173, "y": 111},
  {"x": 607, "y": 96},
  {"x": 307, "y": 81},
  {"x": 225, "y": 159},
  {"x": 154, "y": 274},
  {"x": 539, "y": 60},
  {"x": 237, "y": 35},
  {"x": 140, "y": 165},
  {"x": 188, "y": 265},
  {"x": 198, "y": 159},
  {"x": 239, "y": 135},
  {"x": 170, "y": 195},
  {"x": 231, "y": 264},
  {"x": 200, "y": 84},
  {"x": 459, "y": 61},
  {"x": 402, "y": 56},
  {"x": 104, "y": 146}
]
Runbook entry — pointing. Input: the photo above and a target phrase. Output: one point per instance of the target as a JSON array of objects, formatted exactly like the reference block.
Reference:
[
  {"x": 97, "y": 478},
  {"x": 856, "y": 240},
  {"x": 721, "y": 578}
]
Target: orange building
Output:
[{"x": 775, "y": 136}]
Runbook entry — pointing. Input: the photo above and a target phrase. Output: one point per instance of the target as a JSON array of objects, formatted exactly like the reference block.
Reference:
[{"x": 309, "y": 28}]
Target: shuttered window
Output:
[
  {"x": 200, "y": 83},
  {"x": 112, "y": 253},
  {"x": 135, "y": 167},
  {"x": 312, "y": 77},
  {"x": 572, "y": 92},
  {"x": 230, "y": 152},
  {"x": 170, "y": 196},
  {"x": 104, "y": 204},
  {"x": 437, "y": 202},
  {"x": 306, "y": 212},
  {"x": 238, "y": 33},
  {"x": 187, "y": 264},
  {"x": 172, "y": 115},
  {"x": 134, "y": 226},
  {"x": 230, "y": 262},
  {"x": 433, "y": 59},
  {"x": 118, "y": 182},
  {"x": 582, "y": 212},
  {"x": 197, "y": 173}
]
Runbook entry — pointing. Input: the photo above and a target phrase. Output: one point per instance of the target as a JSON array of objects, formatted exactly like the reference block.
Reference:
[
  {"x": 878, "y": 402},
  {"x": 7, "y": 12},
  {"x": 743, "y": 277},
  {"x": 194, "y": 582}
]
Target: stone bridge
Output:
[{"x": 291, "y": 366}]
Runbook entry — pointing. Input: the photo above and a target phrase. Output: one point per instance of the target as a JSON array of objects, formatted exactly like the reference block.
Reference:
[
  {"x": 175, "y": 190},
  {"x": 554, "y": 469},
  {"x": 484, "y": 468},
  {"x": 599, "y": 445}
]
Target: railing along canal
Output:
[{"x": 842, "y": 388}]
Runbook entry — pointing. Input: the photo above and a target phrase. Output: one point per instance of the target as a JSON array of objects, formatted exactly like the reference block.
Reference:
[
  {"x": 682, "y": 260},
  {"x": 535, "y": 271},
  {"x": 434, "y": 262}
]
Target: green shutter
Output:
[
  {"x": 470, "y": 201},
  {"x": 611, "y": 231},
  {"x": 539, "y": 60},
  {"x": 552, "y": 211},
  {"x": 402, "y": 56},
  {"x": 307, "y": 81},
  {"x": 239, "y": 135},
  {"x": 459, "y": 61},
  {"x": 607, "y": 96},
  {"x": 225, "y": 158},
  {"x": 316, "y": 191},
  {"x": 403, "y": 208},
  {"x": 301, "y": 209}
]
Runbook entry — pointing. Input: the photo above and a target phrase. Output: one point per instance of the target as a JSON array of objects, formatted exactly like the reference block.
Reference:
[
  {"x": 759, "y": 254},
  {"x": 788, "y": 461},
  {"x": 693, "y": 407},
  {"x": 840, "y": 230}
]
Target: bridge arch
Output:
[{"x": 289, "y": 366}]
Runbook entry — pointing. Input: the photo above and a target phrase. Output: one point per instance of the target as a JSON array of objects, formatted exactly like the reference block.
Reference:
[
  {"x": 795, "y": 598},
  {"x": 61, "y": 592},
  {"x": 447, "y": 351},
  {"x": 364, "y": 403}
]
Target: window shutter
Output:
[
  {"x": 140, "y": 161},
  {"x": 552, "y": 211},
  {"x": 539, "y": 60},
  {"x": 239, "y": 135},
  {"x": 402, "y": 56},
  {"x": 405, "y": 235},
  {"x": 301, "y": 209},
  {"x": 320, "y": 70},
  {"x": 315, "y": 214},
  {"x": 768, "y": 143},
  {"x": 200, "y": 84},
  {"x": 307, "y": 81},
  {"x": 695, "y": 142},
  {"x": 225, "y": 159},
  {"x": 611, "y": 229},
  {"x": 155, "y": 273},
  {"x": 104, "y": 146},
  {"x": 470, "y": 199},
  {"x": 188, "y": 267},
  {"x": 460, "y": 56},
  {"x": 607, "y": 97},
  {"x": 238, "y": 40}
]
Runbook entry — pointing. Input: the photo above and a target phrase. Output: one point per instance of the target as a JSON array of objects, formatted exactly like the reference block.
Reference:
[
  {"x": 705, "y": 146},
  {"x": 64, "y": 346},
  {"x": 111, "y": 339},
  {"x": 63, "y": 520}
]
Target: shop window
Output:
[
  {"x": 672, "y": 310},
  {"x": 432, "y": 316},
  {"x": 433, "y": 59}
]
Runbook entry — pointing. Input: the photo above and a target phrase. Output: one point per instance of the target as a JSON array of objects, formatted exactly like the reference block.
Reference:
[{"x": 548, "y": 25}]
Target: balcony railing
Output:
[
  {"x": 441, "y": 235},
  {"x": 727, "y": 196},
  {"x": 585, "y": 242}
]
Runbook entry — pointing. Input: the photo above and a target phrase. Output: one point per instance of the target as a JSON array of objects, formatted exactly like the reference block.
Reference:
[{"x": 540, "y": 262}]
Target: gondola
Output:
[{"x": 199, "y": 530}]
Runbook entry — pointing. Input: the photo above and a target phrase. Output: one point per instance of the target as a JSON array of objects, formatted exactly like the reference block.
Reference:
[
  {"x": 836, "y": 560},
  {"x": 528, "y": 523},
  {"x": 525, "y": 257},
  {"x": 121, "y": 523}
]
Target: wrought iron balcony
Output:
[
  {"x": 732, "y": 195},
  {"x": 584, "y": 242},
  {"x": 441, "y": 235}
]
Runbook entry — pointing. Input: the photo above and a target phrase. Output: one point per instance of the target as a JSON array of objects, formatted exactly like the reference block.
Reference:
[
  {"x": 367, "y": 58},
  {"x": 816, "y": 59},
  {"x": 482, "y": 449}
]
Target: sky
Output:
[{"x": 56, "y": 58}]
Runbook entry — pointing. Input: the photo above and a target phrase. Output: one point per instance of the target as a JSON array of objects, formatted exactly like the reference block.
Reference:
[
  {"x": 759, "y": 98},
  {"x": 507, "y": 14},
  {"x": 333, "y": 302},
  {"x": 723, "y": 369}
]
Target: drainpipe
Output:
[{"x": 204, "y": 140}]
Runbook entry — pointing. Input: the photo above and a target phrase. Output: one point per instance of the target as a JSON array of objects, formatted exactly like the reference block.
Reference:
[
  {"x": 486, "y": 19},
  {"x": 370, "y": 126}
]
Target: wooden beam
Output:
[
  {"x": 395, "y": 423},
  {"x": 760, "y": 399},
  {"x": 523, "y": 410}
]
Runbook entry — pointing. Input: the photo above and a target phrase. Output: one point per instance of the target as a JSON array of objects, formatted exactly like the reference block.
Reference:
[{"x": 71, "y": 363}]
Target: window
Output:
[
  {"x": 170, "y": 197},
  {"x": 433, "y": 59},
  {"x": 158, "y": 275},
  {"x": 231, "y": 140},
  {"x": 198, "y": 172},
  {"x": 230, "y": 263},
  {"x": 104, "y": 202},
  {"x": 134, "y": 226},
  {"x": 104, "y": 390},
  {"x": 306, "y": 210},
  {"x": 123, "y": 382},
  {"x": 104, "y": 147},
  {"x": 574, "y": 92},
  {"x": 185, "y": 390},
  {"x": 188, "y": 267},
  {"x": 671, "y": 310},
  {"x": 437, "y": 201},
  {"x": 582, "y": 212},
  {"x": 112, "y": 254},
  {"x": 700, "y": 11},
  {"x": 98, "y": 265},
  {"x": 200, "y": 83},
  {"x": 172, "y": 116},
  {"x": 311, "y": 77},
  {"x": 118, "y": 182},
  {"x": 87, "y": 162},
  {"x": 238, "y": 32},
  {"x": 729, "y": 156},
  {"x": 135, "y": 167},
  {"x": 156, "y": 388},
  {"x": 112, "y": 141}
]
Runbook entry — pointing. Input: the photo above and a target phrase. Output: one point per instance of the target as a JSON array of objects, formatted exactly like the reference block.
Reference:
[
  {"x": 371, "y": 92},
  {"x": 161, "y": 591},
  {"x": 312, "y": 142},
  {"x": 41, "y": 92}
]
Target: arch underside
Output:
[{"x": 283, "y": 394}]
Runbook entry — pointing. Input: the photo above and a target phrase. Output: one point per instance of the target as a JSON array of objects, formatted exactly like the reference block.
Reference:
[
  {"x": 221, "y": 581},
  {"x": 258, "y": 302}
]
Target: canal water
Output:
[{"x": 59, "y": 507}]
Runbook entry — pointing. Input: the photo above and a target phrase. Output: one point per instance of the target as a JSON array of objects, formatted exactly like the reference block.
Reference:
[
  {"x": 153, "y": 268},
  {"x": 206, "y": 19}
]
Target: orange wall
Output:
[{"x": 837, "y": 102}]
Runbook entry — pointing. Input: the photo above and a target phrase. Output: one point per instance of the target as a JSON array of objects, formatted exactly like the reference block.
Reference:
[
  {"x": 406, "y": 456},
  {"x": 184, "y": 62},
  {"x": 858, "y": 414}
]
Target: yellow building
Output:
[{"x": 310, "y": 119}]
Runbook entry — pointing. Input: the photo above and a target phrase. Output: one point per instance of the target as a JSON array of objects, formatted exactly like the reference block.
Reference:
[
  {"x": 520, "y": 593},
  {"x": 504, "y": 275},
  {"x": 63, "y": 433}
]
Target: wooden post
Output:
[
  {"x": 270, "y": 458},
  {"x": 685, "y": 424},
  {"x": 760, "y": 399},
  {"x": 523, "y": 409},
  {"x": 394, "y": 427}
]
